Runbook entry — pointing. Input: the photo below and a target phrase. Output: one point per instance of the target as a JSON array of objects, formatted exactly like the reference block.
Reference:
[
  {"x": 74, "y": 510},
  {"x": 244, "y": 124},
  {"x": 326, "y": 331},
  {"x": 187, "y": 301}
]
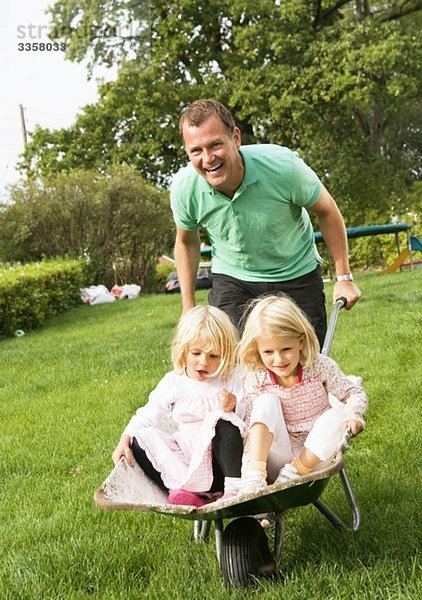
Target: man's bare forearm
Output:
[
  {"x": 334, "y": 233},
  {"x": 186, "y": 254},
  {"x": 335, "y": 236}
]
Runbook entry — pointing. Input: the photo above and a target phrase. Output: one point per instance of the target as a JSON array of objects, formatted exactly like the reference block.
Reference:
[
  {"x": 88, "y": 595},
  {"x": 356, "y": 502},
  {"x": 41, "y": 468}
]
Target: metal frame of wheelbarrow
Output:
[{"x": 242, "y": 547}]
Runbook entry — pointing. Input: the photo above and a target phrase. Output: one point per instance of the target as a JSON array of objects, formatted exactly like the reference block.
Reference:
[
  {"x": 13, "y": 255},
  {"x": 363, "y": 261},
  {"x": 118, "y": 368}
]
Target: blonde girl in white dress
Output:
[{"x": 203, "y": 395}]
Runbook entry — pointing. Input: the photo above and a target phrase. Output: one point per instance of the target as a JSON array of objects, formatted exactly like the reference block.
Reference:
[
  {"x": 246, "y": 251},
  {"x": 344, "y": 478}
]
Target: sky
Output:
[{"x": 52, "y": 90}]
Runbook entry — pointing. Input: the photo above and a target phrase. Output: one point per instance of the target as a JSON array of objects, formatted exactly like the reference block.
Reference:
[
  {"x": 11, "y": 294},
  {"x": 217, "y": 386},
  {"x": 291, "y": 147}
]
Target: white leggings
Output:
[{"x": 322, "y": 440}]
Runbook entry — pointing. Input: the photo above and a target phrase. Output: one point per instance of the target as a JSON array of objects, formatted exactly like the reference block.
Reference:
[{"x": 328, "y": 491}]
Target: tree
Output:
[
  {"x": 116, "y": 221},
  {"x": 336, "y": 79}
]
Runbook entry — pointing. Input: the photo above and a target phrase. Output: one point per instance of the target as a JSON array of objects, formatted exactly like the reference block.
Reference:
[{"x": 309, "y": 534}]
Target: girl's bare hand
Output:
[
  {"x": 123, "y": 449},
  {"x": 354, "y": 426},
  {"x": 227, "y": 401}
]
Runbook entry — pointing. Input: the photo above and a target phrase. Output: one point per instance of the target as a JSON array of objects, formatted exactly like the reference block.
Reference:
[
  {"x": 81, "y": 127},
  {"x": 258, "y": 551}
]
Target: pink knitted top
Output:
[{"x": 303, "y": 403}]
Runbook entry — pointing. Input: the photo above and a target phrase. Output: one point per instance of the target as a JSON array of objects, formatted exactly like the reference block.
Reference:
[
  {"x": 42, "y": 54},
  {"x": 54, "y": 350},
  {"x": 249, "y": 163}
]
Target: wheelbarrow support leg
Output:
[
  {"x": 351, "y": 498},
  {"x": 201, "y": 530},
  {"x": 331, "y": 516},
  {"x": 219, "y": 528},
  {"x": 278, "y": 538}
]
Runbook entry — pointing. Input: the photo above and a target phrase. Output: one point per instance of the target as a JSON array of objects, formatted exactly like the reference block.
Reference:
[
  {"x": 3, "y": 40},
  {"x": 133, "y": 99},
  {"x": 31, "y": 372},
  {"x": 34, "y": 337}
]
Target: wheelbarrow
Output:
[{"x": 242, "y": 546}]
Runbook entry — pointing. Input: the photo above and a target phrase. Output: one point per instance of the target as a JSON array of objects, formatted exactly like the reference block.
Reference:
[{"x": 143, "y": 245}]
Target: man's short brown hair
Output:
[{"x": 201, "y": 110}]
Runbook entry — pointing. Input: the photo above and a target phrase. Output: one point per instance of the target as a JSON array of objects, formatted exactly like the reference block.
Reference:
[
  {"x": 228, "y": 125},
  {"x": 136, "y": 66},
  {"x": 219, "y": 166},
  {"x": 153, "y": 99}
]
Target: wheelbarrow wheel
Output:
[{"x": 245, "y": 553}]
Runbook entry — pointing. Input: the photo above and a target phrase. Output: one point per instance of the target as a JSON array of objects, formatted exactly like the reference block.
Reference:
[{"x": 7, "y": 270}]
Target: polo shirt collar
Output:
[{"x": 251, "y": 174}]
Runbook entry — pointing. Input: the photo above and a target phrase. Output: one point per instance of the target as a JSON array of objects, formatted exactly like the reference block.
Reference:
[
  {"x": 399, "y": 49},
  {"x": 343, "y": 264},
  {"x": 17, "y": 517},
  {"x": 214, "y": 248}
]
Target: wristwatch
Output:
[{"x": 346, "y": 277}]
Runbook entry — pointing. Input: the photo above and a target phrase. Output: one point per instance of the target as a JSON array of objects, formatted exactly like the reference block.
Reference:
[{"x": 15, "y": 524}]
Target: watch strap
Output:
[{"x": 346, "y": 277}]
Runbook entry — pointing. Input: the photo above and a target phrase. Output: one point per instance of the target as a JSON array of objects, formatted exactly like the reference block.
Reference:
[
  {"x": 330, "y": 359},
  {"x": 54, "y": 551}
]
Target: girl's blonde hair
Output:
[
  {"x": 275, "y": 316},
  {"x": 212, "y": 328}
]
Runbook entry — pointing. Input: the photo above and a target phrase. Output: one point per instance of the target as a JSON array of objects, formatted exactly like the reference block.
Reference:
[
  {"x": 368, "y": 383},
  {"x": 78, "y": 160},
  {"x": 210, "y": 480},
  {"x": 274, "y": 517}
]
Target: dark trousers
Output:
[
  {"x": 227, "y": 450},
  {"x": 233, "y": 296}
]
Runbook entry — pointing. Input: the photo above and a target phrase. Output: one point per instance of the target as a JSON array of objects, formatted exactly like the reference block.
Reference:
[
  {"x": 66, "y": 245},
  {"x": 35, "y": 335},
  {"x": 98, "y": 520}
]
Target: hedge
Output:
[{"x": 31, "y": 293}]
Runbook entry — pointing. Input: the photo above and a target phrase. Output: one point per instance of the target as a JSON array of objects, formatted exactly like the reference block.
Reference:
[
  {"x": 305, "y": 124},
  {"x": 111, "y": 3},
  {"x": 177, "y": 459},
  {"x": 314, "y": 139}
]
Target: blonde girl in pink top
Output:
[{"x": 293, "y": 427}]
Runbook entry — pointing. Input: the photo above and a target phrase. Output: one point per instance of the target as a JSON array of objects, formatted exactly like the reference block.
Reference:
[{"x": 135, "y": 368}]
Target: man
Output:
[{"x": 253, "y": 202}]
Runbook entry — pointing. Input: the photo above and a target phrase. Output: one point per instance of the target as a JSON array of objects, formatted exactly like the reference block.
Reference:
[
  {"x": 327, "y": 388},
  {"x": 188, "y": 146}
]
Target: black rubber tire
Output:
[{"x": 245, "y": 553}]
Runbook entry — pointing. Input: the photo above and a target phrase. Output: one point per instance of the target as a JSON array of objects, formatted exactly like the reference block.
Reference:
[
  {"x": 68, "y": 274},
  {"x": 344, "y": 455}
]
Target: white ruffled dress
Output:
[{"x": 184, "y": 457}]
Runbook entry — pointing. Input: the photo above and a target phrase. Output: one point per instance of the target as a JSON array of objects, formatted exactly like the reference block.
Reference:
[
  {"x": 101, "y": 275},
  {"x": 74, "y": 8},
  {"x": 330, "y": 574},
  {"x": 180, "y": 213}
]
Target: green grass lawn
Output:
[{"x": 67, "y": 391}]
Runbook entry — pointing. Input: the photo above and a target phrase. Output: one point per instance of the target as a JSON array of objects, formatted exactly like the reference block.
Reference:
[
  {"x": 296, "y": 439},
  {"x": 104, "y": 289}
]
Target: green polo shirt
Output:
[{"x": 264, "y": 232}]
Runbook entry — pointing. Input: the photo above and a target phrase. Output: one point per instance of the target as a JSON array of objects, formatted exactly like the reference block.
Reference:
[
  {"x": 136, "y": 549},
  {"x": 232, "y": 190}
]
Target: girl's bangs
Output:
[{"x": 207, "y": 343}]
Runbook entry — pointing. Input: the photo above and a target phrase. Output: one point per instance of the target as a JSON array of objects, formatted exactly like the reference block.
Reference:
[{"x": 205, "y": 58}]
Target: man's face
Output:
[{"x": 214, "y": 154}]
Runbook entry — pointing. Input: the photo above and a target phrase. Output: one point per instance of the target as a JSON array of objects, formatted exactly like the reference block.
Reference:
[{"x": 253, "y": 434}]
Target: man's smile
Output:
[{"x": 213, "y": 169}]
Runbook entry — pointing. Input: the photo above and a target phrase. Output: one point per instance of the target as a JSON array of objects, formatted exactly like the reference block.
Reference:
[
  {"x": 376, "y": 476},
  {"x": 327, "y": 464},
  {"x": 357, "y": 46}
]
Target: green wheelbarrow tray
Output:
[{"x": 128, "y": 488}]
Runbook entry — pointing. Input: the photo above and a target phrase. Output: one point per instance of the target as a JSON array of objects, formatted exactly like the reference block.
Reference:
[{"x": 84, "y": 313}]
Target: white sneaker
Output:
[
  {"x": 287, "y": 473},
  {"x": 251, "y": 482}
]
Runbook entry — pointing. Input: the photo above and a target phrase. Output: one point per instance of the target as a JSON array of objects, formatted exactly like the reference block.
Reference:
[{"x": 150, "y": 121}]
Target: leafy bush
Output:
[
  {"x": 31, "y": 293},
  {"x": 162, "y": 271},
  {"x": 117, "y": 221}
]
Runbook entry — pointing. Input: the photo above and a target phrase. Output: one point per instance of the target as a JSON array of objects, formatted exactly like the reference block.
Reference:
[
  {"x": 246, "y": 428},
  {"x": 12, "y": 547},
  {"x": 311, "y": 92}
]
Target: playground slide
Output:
[
  {"x": 397, "y": 263},
  {"x": 415, "y": 244}
]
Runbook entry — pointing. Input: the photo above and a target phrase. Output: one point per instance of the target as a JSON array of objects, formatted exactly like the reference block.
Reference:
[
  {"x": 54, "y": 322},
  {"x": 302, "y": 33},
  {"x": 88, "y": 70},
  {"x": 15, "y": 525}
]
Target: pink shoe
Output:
[
  {"x": 225, "y": 496},
  {"x": 185, "y": 498},
  {"x": 228, "y": 495}
]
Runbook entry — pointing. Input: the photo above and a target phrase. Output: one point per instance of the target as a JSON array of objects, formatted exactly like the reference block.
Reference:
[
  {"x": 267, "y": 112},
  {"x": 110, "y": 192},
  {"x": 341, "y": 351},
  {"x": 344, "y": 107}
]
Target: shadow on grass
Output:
[{"x": 389, "y": 531}]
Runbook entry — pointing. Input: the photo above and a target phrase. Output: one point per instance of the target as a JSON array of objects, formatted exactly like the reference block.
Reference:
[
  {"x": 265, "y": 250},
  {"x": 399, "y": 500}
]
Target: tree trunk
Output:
[{"x": 376, "y": 123}]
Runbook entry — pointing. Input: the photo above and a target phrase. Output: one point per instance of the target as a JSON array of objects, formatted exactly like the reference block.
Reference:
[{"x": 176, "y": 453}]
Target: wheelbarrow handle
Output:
[
  {"x": 338, "y": 305},
  {"x": 342, "y": 301}
]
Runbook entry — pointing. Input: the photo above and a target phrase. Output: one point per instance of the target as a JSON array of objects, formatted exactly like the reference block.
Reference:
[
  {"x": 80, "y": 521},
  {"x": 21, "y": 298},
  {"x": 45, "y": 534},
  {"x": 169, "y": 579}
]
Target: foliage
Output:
[
  {"x": 337, "y": 80},
  {"x": 162, "y": 271},
  {"x": 68, "y": 390},
  {"x": 117, "y": 222},
  {"x": 31, "y": 293}
]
